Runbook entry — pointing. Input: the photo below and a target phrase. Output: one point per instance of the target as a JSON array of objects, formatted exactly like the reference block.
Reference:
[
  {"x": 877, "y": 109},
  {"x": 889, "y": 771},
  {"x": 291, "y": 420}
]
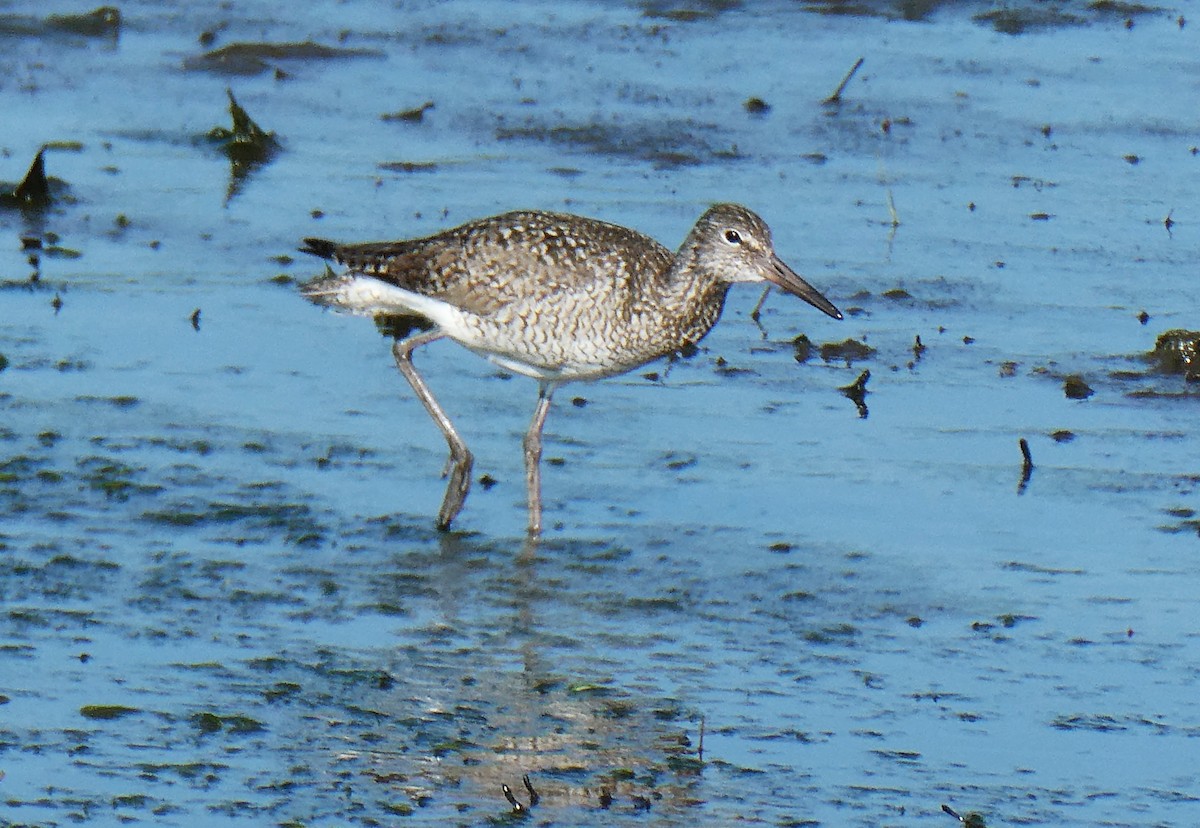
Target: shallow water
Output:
[{"x": 222, "y": 597}]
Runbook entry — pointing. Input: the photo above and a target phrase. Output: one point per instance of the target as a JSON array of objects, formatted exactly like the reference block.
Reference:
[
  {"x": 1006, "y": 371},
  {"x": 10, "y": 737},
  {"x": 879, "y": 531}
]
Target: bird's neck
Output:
[{"x": 693, "y": 294}]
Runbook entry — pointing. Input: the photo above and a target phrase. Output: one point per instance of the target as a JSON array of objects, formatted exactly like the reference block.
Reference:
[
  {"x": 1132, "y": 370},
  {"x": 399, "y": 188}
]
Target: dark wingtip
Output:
[{"x": 319, "y": 247}]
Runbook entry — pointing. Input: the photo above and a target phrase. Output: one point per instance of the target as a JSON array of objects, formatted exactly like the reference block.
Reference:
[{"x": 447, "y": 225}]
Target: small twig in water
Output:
[
  {"x": 754, "y": 314},
  {"x": 836, "y": 97},
  {"x": 1026, "y": 465},
  {"x": 534, "y": 797},
  {"x": 700, "y": 748}
]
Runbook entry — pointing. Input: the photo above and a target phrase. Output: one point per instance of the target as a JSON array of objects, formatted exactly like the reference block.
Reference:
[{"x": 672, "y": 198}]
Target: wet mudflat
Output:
[{"x": 759, "y": 599}]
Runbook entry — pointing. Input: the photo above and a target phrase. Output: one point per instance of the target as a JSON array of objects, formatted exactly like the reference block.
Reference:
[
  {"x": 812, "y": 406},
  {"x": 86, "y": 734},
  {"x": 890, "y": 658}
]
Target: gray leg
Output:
[
  {"x": 533, "y": 458},
  {"x": 458, "y": 466}
]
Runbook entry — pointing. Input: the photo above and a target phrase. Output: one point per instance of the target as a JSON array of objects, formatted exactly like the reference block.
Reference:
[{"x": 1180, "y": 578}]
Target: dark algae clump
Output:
[
  {"x": 851, "y": 350},
  {"x": 1178, "y": 352},
  {"x": 100, "y": 22},
  {"x": 1076, "y": 388},
  {"x": 103, "y": 712},
  {"x": 857, "y": 392},
  {"x": 247, "y": 143},
  {"x": 34, "y": 190}
]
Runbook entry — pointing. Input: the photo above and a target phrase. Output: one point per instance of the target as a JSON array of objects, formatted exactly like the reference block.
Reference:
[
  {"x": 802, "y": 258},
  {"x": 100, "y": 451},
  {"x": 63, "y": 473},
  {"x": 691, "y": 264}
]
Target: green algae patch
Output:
[
  {"x": 258, "y": 58},
  {"x": 850, "y": 350},
  {"x": 1015, "y": 21},
  {"x": 802, "y": 348},
  {"x": 16, "y": 469},
  {"x": 114, "y": 479},
  {"x": 1117, "y": 8},
  {"x": 203, "y": 772},
  {"x": 412, "y": 116},
  {"x": 281, "y": 690},
  {"x": 208, "y": 722},
  {"x": 71, "y": 562},
  {"x": 294, "y": 518},
  {"x": 106, "y": 712},
  {"x": 834, "y": 634},
  {"x": 667, "y": 144},
  {"x": 131, "y": 801},
  {"x": 55, "y": 251},
  {"x": 117, "y": 401}
]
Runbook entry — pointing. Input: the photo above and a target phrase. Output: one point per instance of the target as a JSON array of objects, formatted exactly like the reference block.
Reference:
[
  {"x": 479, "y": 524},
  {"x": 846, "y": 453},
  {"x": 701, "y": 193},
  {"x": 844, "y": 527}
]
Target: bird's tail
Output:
[{"x": 323, "y": 248}]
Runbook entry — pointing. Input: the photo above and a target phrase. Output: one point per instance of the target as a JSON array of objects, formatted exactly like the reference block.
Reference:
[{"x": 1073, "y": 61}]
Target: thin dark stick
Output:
[
  {"x": 534, "y": 797},
  {"x": 836, "y": 97},
  {"x": 512, "y": 800},
  {"x": 700, "y": 749},
  {"x": 754, "y": 314},
  {"x": 1026, "y": 465}
]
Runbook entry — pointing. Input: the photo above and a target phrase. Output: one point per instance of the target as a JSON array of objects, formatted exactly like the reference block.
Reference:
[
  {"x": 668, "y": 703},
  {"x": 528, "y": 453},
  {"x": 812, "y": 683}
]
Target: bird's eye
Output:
[{"x": 733, "y": 237}]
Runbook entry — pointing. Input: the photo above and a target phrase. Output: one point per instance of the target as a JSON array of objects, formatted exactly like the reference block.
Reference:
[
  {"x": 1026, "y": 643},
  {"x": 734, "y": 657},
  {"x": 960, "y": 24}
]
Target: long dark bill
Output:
[{"x": 786, "y": 278}]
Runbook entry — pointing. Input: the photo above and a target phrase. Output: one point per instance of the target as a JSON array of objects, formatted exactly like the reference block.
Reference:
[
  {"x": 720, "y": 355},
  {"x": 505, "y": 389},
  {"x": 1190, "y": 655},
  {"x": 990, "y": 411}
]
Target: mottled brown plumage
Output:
[{"x": 553, "y": 296}]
